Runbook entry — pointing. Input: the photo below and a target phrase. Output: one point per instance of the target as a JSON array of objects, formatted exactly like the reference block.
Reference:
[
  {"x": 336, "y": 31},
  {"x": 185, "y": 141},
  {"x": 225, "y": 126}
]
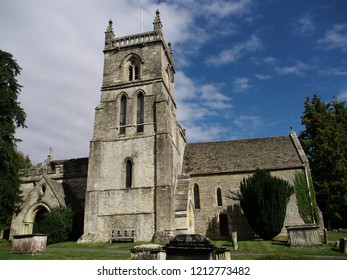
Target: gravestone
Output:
[
  {"x": 343, "y": 245},
  {"x": 234, "y": 240}
]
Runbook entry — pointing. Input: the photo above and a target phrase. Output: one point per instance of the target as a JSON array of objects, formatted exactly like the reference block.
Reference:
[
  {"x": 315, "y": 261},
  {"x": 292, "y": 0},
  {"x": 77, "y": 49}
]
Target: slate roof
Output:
[{"x": 241, "y": 155}]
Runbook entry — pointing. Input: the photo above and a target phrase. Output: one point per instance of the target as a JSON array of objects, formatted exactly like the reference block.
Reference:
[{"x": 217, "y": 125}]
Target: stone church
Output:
[{"x": 142, "y": 180}]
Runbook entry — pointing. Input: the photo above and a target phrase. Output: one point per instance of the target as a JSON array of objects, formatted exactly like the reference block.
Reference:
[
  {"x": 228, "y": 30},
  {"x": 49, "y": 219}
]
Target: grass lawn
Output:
[{"x": 248, "y": 250}]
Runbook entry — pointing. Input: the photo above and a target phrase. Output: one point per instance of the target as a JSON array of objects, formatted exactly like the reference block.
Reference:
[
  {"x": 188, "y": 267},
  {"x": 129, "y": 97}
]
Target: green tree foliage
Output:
[
  {"x": 306, "y": 198},
  {"x": 12, "y": 116},
  {"x": 57, "y": 224},
  {"x": 263, "y": 199},
  {"x": 325, "y": 143}
]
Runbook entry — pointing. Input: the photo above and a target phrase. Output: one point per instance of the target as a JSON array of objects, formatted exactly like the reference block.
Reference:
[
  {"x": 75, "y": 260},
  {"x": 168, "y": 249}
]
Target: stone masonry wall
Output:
[{"x": 207, "y": 218}]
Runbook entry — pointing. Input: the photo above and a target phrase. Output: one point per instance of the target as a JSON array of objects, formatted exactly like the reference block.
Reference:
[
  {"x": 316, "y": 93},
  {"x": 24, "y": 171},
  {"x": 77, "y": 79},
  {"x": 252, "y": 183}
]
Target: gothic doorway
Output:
[
  {"x": 223, "y": 225},
  {"x": 33, "y": 217},
  {"x": 39, "y": 214}
]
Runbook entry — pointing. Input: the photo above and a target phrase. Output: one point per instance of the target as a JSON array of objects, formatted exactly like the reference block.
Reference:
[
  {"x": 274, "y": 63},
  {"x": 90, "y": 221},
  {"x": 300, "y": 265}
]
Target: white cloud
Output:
[
  {"x": 263, "y": 77},
  {"x": 213, "y": 98},
  {"x": 270, "y": 60},
  {"x": 304, "y": 25},
  {"x": 241, "y": 84},
  {"x": 335, "y": 38},
  {"x": 334, "y": 72},
  {"x": 196, "y": 102},
  {"x": 247, "y": 122},
  {"x": 236, "y": 52},
  {"x": 343, "y": 95},
  {"x": 217, "y": 9},
  {"x": 215, "y": 15},
  {"x": 299, "y": 68},
  {"x": 220, "y": 8},
  {"x": 204, "y": 132},
  {"x": 207, "y": 95}
]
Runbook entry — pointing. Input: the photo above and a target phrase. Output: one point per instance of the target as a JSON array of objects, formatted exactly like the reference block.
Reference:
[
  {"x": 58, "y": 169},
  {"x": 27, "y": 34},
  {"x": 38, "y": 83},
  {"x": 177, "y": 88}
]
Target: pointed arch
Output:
[
  {"x": 132, "y": 67},
  {"x": 32, "y": 215}
]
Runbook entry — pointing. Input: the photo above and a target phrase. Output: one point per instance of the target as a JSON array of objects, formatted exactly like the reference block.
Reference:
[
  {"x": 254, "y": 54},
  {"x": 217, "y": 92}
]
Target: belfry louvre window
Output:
[
  {"x": 134, "y": 71},
  {"x": 219, "y": 197},
  {"x": 128, "y": 173},
  {"x": 140, "y": 113},
  {"x": 196, "y": 197},
  {"x": 123, "y": 115}
]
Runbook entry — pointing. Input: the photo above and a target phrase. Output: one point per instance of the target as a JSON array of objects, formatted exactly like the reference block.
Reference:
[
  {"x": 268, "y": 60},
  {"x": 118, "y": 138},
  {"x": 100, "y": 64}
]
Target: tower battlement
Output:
[
  {"x": 133, "y": 40},
  {"x": 137, "y": 40}
]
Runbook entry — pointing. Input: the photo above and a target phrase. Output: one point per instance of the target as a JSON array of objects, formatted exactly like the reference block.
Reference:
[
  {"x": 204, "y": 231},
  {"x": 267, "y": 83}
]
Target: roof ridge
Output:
[{"x": 239, "y": 140}]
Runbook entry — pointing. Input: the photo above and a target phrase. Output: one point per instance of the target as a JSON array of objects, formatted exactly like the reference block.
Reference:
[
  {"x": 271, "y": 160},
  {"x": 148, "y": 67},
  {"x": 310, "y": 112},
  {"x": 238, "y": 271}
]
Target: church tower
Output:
[{"x": 137, "y": 147}]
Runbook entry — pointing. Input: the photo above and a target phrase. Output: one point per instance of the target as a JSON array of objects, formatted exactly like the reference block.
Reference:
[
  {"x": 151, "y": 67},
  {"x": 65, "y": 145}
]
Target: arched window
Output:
[
  {"x": 123, "y": 115},
  {"x": 134, "y": 71},
  {"x": 140, "y": 113},
  {"x": 128, "y": 173},
  {"x": 219, "y": 197},
  {"x": 196, "y": 197}
]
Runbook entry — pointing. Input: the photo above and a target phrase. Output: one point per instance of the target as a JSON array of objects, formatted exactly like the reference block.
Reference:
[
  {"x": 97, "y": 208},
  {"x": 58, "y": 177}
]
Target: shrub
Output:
[
  {"x": 263, "y": 199},
  {"x": 57, "y": 224}
]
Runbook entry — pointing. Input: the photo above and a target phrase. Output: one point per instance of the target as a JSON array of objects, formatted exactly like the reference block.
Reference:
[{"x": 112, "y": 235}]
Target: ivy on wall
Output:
[{"x": 304, "y": 198}]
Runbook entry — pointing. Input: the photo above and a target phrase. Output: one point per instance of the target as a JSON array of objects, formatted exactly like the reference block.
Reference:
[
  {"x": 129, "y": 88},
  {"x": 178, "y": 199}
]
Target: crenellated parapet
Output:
[
  {"x": 133, "y": 40},
  {"x": 57, "y": 169},
  {"x": 140, "y": 39}
]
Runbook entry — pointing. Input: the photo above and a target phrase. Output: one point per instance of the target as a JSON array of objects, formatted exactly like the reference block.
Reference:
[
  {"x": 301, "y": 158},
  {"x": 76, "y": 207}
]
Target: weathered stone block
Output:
[
  {"x": 304, "y": 236},
  {"x": 29, "y": 244},
  {"x": 343, "y": 245},
  {"x": 147, "y": 252}
]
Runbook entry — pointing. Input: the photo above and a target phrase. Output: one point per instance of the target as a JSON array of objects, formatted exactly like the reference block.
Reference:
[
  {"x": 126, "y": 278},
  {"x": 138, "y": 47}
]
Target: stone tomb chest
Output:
[
  {"x": 193, "y": 247},
  {"x": 29, "y": 244},
  {"x": 304, "y": 236}
]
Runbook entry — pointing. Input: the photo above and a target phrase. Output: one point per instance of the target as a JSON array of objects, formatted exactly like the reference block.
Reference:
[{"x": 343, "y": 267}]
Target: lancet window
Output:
[
  {"x": 196, "y": 197},
  {"x": 123, "y": 115},
  {"x": 140, "y": 113}
]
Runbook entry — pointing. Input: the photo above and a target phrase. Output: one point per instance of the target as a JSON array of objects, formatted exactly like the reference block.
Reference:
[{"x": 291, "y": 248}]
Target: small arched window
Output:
[
  {"x": 219, "y": 197},
  {"x": 196, "y": 197},
  {"x": 140, "y": 113},
  {"x": 128, "y": 173},
  {"x": 123, "y": 115}
]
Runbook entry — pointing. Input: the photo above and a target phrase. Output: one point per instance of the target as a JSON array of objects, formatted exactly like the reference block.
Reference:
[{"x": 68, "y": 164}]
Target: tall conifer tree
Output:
[
  {"x": 325, "y": 143},
  {"x": 12, "y": 116},
  {"x": 263, "y": 199}
]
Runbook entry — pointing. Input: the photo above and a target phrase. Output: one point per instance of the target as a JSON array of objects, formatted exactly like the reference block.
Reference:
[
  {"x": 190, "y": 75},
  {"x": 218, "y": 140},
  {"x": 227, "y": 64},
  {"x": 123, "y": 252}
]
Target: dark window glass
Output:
[
  {"x": 140, "y": 113},
  {"x": 219, "y": 197},
  {"x": 196, "y": 197},
  {"x": 129, "y": 174},
  {"x": 130, "y": 73},
  {"x": 123, "y": 114},
  {"x": 136, "y": 73}
]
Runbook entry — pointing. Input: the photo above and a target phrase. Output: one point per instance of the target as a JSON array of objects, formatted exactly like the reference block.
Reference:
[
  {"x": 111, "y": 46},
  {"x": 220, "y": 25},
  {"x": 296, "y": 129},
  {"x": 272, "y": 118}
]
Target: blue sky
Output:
[{"x": 243, "y": 67}]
